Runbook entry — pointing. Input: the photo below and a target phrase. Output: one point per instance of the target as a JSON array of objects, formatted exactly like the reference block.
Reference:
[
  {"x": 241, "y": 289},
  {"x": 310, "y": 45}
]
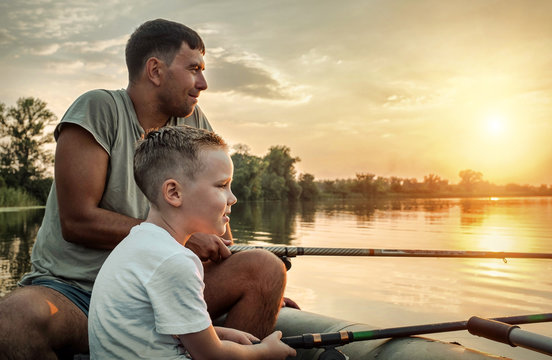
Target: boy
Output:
[{"x": 148, "y": 300}]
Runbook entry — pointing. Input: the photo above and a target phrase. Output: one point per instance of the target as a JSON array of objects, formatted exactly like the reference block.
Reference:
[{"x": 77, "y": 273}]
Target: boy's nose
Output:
[{"x": 233, "y": 199}]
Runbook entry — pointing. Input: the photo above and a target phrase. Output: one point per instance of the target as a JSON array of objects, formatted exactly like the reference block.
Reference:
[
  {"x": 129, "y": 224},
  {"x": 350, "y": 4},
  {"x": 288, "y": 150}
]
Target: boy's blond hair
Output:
[{"x": 171, "y": 152}]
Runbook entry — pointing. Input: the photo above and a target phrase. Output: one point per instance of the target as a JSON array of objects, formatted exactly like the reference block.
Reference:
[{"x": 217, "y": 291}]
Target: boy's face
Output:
[{"x": 208, "y": 197}]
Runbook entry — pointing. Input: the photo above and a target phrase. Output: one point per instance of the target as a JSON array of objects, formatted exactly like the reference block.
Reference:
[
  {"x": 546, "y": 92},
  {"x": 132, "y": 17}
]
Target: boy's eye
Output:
[{"x": 224, "y": 185}]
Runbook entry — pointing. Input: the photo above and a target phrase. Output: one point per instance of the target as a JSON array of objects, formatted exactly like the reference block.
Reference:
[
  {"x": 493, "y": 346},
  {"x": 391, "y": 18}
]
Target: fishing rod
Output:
[
  {"x": 292, "y": 251},
  {"x": 509, "y": 334},
  {"x": 309, "y": 341}
]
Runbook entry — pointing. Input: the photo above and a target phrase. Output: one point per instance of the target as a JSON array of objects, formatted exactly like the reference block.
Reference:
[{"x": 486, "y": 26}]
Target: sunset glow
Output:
[
  {"x": 394, "y": 88},
  {"x": 496, "y": 124}
]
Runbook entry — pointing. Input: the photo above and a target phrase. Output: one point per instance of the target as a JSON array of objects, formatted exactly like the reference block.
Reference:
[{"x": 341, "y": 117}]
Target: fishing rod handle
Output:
[
  {"x": 308, "y": 341},
  {"x": 491, "y": 329},
  {"x": 509, "y": 334}
]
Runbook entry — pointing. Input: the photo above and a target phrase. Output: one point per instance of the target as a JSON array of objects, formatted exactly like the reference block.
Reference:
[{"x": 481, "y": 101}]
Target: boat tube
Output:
[{"x": 293, "y": 322}]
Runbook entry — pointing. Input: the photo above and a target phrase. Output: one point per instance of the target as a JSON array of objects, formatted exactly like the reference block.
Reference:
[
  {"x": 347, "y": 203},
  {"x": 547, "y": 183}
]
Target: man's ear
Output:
[
  {"x": 154, "y": 70},
  {"x": 172, "y": 192}
]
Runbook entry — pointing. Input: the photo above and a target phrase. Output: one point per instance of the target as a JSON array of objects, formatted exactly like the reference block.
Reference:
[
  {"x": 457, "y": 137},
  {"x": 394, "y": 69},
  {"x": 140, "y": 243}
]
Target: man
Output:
[{"x": 94, "y": 202}]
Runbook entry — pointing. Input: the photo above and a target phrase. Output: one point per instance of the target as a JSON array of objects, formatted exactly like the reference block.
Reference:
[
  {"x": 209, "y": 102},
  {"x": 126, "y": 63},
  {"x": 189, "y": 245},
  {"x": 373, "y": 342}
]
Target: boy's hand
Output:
[
  {"x": 237, "y": 336},
  {"x": 278, "y": 349},
  {"x": 209, "y": 247}
]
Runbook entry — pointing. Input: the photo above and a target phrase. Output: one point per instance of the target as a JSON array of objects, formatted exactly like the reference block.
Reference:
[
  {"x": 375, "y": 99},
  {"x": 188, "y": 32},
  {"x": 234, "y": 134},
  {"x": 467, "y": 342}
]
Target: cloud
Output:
[
  {"x": 5, "y": 37},
  {"x": 112, "y": 46},
  {"x": 313, "y": 57},
  {"x": 422, "y": 100},
  {"x": 248, "y": 74},
  {"x": 44, "y": 50},
  {"x": 38, "y": 20}
]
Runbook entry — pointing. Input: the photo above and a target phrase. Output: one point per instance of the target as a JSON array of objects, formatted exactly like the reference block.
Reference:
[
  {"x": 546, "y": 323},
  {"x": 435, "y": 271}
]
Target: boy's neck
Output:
[{"x": 165, "y": 223}]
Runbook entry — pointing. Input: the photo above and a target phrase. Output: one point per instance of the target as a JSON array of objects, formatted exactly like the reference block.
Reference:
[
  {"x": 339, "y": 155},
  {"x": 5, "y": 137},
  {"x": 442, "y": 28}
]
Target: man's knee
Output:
[
  {"x": 22, "y": 307},
  {"x": 261, "y": 264},
  {"x": 22, "y": 318},
  {"x": 253, "y": 268},
  {"x": 43, "y": 315}
]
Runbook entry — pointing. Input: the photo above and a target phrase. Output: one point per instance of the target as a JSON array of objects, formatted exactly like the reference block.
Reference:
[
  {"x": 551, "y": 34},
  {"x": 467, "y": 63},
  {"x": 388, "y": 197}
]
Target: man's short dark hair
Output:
[{"x": 160, "y": 38}]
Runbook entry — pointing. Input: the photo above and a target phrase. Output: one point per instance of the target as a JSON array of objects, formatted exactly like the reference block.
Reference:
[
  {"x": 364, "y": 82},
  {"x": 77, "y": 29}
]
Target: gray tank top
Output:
[{"x": 110, "y": 117}]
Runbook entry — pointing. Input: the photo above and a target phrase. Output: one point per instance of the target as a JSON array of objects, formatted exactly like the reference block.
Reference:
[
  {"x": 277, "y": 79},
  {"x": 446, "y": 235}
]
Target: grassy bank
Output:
[
  {"x": 425, "y": 195},
  {"x": 16, "y": 197}
]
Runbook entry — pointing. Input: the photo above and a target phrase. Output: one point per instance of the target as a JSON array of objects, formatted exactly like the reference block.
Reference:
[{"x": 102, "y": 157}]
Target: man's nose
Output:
[{"x": 201, "y": 82}]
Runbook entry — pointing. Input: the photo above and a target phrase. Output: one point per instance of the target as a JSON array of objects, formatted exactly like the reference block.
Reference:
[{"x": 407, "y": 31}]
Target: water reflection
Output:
[
  {"x": 270, "y": 221},
  {"x": 17, "y": 233},
  {"x": 381, "y": 291}
]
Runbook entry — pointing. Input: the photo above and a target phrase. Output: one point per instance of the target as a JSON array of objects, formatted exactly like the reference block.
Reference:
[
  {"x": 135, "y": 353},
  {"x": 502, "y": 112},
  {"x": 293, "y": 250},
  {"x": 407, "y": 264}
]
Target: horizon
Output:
[{"x": 393, "y": 88}]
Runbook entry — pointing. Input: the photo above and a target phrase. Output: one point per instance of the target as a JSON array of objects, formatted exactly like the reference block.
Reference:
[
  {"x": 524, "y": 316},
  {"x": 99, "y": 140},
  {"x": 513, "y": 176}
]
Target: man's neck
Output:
[{"x": 145, "y": 106}]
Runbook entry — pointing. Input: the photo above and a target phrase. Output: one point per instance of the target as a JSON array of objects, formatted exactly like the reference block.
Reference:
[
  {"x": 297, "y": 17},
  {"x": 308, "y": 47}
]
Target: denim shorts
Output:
[{"x": 79, "y": 297}]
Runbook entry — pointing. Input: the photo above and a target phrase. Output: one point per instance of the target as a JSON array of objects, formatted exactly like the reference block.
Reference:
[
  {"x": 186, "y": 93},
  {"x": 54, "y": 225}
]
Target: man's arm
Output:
[
  {"x": 211, "y": 247},
  {"x": 80, "y": 170}
]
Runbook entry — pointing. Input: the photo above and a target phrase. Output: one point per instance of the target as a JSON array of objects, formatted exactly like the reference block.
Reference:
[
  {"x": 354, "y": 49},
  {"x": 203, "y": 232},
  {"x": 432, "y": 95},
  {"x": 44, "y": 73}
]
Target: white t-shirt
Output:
[{"x": 149, "y": 288}]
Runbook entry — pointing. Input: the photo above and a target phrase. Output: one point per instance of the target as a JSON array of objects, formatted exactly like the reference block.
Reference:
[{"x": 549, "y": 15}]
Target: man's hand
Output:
[
  {"x": 287, "y": 302},
  {"x": 209, "y": 247}
]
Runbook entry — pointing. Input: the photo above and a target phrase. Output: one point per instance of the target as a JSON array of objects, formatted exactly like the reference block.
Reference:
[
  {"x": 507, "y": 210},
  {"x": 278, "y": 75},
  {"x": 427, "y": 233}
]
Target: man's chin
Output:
[{"x": 185, "y": 112}]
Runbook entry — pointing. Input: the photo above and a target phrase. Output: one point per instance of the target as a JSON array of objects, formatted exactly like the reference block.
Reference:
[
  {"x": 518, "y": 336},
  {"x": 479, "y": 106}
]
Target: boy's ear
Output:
[
  {"x": 154, "y": 70},
  {"x": 172, "y": 193}
]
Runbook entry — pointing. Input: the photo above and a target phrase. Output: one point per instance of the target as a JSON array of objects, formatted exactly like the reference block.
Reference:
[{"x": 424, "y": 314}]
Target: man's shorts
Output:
[{"x": 79, "y": 297}]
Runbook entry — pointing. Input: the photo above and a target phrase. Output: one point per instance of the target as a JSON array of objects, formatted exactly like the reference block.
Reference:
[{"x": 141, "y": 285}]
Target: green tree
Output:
[
  {"x": 434, "y": 183},
  {"x": 381, "y": 185},
  {"x": 411, "y": 185},
  {"x": 470, "y": 179},
  {"x": 24, "y": 160},
  {"x": 309, "y": 190},
  {"x": 365, "y": 185},
  {"x": 248, "y": 170},
  {"x": 395, "y": 184},
  {"x": 338, "y": 188},
  {"x": 279, "y": 177}
]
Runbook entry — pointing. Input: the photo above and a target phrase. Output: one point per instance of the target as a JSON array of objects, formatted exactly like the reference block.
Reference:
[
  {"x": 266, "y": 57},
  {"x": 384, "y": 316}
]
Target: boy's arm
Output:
[
  {"x": 237, "y": 336},
  {"x": 206, "y": 345}
]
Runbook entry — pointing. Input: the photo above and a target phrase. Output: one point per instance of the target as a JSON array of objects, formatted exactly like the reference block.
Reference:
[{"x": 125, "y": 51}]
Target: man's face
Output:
[
  {"x": 182, "y": 83},
  {"x": 208, "y": 196}
]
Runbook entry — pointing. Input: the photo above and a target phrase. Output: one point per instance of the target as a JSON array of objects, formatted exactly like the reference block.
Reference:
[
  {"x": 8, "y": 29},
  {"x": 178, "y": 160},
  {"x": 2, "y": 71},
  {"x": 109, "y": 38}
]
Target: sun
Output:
[{"x": 495, "y": 124}]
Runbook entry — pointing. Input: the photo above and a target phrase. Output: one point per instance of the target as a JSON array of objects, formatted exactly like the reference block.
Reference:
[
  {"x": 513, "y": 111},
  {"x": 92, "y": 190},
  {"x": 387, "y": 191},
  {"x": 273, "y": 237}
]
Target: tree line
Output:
[
  {"x": 25, "y": 165},
  {"x": 471, "y": 183},
  {"x": 24, "y": 161},
  {"x": 273, "y": 177}
]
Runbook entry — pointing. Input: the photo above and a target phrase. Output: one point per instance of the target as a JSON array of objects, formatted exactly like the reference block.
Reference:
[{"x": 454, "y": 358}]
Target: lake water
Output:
[{"x": 386, "y": 291}]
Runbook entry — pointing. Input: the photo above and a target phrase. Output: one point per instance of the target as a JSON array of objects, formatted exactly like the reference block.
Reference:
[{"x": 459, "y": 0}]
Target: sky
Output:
[{"x": 402, "y": 88}]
